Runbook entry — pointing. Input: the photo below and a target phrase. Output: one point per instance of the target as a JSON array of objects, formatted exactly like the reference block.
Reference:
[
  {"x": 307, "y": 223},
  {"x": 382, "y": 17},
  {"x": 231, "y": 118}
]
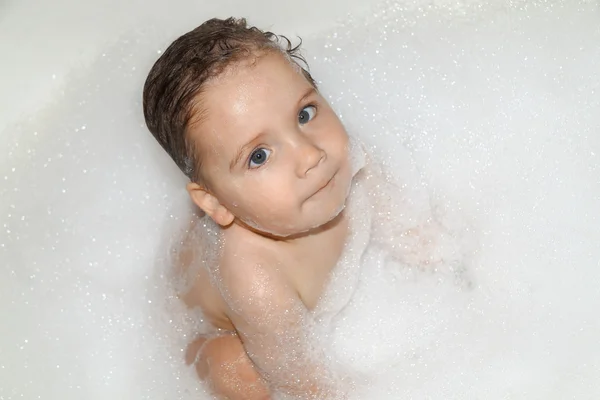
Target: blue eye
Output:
[
  {"x": 306, "y": 114},
  {"x": 258, "y": 157}
]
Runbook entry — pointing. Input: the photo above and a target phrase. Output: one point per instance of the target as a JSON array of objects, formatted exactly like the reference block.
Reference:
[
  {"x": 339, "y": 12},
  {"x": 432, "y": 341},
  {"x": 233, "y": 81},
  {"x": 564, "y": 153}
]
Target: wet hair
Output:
[{"x": 176, "y": 81}]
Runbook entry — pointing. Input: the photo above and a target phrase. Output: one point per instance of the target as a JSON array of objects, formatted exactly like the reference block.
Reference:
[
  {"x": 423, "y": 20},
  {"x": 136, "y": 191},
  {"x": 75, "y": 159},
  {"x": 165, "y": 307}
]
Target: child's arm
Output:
[{"x": 273, "y": 322}]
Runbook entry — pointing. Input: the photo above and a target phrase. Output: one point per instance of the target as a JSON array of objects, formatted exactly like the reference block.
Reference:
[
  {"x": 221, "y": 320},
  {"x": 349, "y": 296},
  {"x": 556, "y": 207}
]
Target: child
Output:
[{"x": 269, "y": 162}]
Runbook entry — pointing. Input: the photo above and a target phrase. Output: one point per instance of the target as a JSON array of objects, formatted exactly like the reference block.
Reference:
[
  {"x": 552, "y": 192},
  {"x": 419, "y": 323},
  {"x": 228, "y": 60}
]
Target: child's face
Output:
[{"x": 274, "y": 154}]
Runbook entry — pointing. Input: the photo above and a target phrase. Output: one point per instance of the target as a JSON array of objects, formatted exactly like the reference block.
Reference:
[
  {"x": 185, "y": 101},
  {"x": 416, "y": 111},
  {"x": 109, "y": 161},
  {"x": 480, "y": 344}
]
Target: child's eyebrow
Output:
[
  {"x": 239, "y": 153},
  {"x": 306, "y": 95}
]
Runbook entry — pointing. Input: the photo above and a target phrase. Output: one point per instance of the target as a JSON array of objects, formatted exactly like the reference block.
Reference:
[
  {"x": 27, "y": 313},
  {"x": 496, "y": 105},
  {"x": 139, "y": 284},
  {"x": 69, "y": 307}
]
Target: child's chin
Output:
[
  {"x": 317, "y": 219},
  {"x": 328, "y": 217}
]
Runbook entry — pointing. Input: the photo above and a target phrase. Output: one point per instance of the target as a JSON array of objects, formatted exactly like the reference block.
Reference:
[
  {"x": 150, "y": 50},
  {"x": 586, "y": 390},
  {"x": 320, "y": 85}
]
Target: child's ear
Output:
[{"x": 210, "y": 204}]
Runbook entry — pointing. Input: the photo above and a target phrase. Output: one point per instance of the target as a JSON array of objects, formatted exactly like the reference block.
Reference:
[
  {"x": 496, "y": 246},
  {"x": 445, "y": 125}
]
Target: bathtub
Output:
[{"x": 495, "y": 104}]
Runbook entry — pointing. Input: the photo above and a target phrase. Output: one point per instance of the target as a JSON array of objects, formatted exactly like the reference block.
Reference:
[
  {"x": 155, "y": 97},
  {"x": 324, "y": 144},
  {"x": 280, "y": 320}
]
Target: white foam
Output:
[
  {"x": 498, "y": 106},
  {"x": 499, "y": 109}
]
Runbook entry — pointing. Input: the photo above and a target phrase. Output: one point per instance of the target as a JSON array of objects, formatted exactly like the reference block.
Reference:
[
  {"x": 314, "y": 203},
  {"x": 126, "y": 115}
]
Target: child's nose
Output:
[{"x": 309, "y": 157}]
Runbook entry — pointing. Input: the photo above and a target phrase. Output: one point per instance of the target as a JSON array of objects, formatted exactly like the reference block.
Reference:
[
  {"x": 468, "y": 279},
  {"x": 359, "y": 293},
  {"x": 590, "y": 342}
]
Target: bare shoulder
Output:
[
  {"x": 253, "y": 281},
  {"x": 246, "y": 263}
]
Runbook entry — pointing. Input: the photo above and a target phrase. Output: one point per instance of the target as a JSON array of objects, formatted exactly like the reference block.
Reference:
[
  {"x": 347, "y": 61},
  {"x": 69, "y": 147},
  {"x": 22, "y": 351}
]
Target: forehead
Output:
[
  {"x": 251, "y": 81},
  {"x": 246, "y": 96}
]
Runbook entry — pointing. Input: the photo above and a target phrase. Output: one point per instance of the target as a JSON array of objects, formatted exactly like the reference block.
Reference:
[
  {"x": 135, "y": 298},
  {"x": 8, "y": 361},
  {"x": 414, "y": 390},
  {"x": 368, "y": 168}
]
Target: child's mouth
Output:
[{"x": 327, "y": 184}]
